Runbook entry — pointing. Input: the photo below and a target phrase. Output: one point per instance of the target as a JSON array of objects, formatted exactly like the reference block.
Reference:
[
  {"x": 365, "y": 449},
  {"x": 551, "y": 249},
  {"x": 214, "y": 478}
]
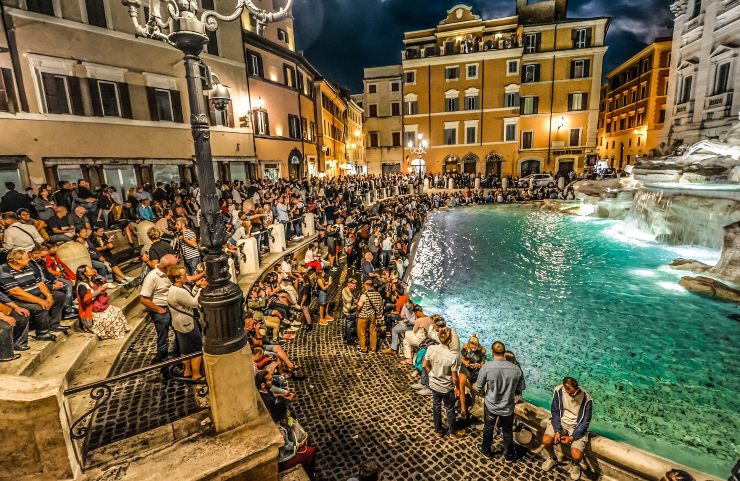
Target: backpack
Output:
[{"x": 419, "y": 359}]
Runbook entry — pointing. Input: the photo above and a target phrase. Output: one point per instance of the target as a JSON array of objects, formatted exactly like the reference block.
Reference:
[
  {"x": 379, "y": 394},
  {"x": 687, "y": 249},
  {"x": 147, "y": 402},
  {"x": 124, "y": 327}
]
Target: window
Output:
[
  {"x": 577, "y": 101},
  {"x": 450, "y": 135},
  {"x": 412, "y": 107},
  {"x": 531, "y": 73},
  {"x": 686, "y": 89},
  {"x": 697, "y": 8},
  {"x": 645, "y": 65},
  {"x": 410, "y": 77},
  {"x": 304, "y": 129},
  {"x": 579, "y": 68},
  {"x": 630, "y": 121},
  {"x": 512, "y": 67},
  {"x": 643, "y": 91},
  {"x": 511, "y": 99},
  {"x": 575, "y": 137},
  {"x": 108, "y": 97},
  {"x": 372, "y": 110},
  {"x": 395, "y": 86},
  {"x": 163, "y": 108},
  {"x": 721, "y": 78},
  {"x": 451, "y": 104},
  {"x": 661, "y": 116},
  {"x": 640, "y": 118},
  {"x": 61, "y": 94},
  {"x": 7, "y": 94},
  {"x": 510, "y": 132},
  {"x": 527, "y": 139},
  {"x": 581, "y": 37},
  {"x": 532, "y": 42},
  {"x": 471, "y": 134},
  {"x": 452, "y": 73},
  {"x": 372, "y": 89},
  {"x": 41, "y": 6},
  {"x": 395, "y": 108},
  {"x": 313, "y": 130},
  {"x": 261, "y": 122},
  {"x": 622, "y": 123},
  {"x": 374, "y": 139},
  {"x": 472, "y": 102},
  {"x": 212, "y": 45},
  {"x": 634, "y": 96},
  {"x": 289, "y": 76},
  {"x": 396, "y": 139},
  {"x": 529, "y": 105},
  {"x": 472, "y": 71},
  {"x": 95, "y": 13},
  {"x": 282, "y": 35},
  {"x": 409, "y": 138},
  {"x": 294, "y": 127},
  {"x": 255, "y": 64}
]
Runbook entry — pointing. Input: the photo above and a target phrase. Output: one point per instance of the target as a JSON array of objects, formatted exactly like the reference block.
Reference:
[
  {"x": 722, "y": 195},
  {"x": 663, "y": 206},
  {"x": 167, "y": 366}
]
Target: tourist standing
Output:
[
  {"x": 186, "y": 244},
  {"x": 183, "y": 303},
  {"x": 442, "y": 366},
  {"x": 154, "y": 292},
  {"x": 501, "y": 381},
  {"x": 371, "y": 307},
  {"x": 349, "y": 310},
  {"x": 571, "y": 415}
]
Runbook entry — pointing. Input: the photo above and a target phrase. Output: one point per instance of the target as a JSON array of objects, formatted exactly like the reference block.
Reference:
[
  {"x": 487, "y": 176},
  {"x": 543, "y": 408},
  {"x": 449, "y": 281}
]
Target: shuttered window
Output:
[{"x": 164, "y": 105}]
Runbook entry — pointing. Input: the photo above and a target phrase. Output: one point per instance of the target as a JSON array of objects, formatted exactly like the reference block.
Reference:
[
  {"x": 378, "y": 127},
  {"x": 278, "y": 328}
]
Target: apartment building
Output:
[
  {"x": 331, "y": 110},
  {"x": 633, "y": 105},
  {"x": 281, "y": 85},
  {"x": 504, "y": 96},
  {"x": 355, "y": 142},
  {"x": 704, "y": 71},
  {"x": 383, "y": 104},
  {"x": 82, "y": 97}
]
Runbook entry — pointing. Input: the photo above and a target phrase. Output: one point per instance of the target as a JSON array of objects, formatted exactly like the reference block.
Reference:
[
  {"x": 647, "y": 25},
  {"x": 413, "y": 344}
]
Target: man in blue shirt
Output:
[{"x": 501, "y": 381}]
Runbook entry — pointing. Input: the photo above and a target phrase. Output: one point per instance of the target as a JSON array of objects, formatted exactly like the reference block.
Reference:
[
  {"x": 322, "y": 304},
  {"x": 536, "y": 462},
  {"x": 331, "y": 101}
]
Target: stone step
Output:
[
  {"x": 67, "y": 356},
  {"x": 294, "y": 474}
]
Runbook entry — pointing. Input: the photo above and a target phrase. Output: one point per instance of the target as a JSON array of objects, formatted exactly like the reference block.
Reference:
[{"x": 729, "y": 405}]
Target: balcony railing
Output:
[
  {"x": 461, "y": 47},
  {"x": 685, "y": 107},
  {"x": 719, "y": 101}
]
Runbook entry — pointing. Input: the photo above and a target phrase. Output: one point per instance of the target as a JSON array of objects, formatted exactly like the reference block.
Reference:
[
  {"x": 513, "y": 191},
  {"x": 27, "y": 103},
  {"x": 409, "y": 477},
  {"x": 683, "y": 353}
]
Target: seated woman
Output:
[
  {"x": 473, "y": 358},
  {"x": 296, "y": 449},
  {"x": 97, "y": 314},
  {"x": 256, "y": 337},
  {"x": 183, "y": 305}
]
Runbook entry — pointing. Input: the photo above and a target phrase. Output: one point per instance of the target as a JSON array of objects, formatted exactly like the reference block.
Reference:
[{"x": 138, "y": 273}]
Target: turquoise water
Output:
[{"x": 575, "y": 296}]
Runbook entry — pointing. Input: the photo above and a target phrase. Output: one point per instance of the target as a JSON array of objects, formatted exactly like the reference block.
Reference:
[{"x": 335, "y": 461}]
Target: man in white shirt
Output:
[
  {"x": 154, "y": 292},
  {"x": 18, "y": 235},
  {"x": 442, "y": 366}
]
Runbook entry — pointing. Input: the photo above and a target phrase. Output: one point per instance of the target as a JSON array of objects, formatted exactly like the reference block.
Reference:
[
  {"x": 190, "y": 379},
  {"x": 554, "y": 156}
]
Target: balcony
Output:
[
  {"x": 684, "y": 108},
  {"x": 458, "y": 47},
  {"x": 718, "y": 102}
]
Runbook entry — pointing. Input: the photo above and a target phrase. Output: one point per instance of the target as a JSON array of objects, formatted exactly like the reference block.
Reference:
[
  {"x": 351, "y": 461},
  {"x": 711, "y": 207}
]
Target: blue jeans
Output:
[
  {"x": 102, "y": 270},
  {"x": 507, "y": 426},
  {"x": 68, "y": 292},
  {"x": 191, "y": 264},
  {"x": 350, "y": 328},
  {"x": 396, "y": 332},
  {"x": 448, "y": 399},
  {"x": 162, "y": 324}
]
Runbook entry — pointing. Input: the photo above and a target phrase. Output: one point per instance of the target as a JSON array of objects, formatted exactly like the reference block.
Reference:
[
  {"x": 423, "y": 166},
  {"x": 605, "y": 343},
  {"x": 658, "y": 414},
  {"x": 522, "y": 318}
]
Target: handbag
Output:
[
  {"x": 101, "y": 302},
  {"x": 299, "y": 434}
]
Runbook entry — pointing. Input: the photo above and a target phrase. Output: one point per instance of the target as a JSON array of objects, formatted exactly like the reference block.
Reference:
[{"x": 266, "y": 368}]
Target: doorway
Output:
[
  {"x": 565, "y": 166},
  {"x": 530, "y": 167}
]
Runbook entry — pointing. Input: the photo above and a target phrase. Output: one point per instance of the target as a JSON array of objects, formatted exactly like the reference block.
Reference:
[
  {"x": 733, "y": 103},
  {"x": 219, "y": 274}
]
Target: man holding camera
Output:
[
  {"x": 571, "y": 415},
  {"x": 187, "y": 245}
]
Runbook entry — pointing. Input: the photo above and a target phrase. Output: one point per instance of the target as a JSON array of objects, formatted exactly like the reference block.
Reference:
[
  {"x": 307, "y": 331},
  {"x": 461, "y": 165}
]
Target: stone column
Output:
[
  {"x": 451, "y": 184},
  {"x": 561, "y": 183},
  {"x": 249, "y": 259},
  {"x": 309, "y": 228},
  {"x": 505, "y": 183},
  {"x": 426, "y": 184},
  {"x": 477, "y": 183},
  {"x": 233, "y": 397},
  {"x": 277, "y": 232}
]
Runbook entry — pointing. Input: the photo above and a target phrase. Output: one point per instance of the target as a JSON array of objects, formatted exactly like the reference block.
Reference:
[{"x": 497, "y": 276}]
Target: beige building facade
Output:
[
  {"x": 355, "y": 142},
  {"x": 633, "y": 106},
  {"x": 505, "y": 96},
  {"x": 331, "y": 110},
  {"x": 83, "y": 98},
  {"x": 383, "y": 105}
]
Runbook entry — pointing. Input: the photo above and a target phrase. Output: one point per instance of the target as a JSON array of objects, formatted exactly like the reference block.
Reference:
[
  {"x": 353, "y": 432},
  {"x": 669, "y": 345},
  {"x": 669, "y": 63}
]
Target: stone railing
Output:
[
  {"x": 685, "y": 107},
  {"x": 719, "y": 101}
]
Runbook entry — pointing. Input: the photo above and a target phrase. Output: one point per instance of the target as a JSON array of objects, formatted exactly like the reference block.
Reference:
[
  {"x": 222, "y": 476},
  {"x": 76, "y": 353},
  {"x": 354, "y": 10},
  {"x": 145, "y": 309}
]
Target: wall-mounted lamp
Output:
[{"x": 259, "y": 104}]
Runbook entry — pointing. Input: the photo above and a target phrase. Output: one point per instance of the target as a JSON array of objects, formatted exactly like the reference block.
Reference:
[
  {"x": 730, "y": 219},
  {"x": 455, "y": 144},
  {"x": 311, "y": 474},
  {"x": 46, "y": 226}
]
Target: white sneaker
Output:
[
  {"x": 417, "y": 386},
  {"x": 296, "y": 323},
  {"x": 425, "y": 392},
  {"x": 110, "y": 285},
  {"x": 549, "y": 464},
  {"x": 575, "y": 472}
]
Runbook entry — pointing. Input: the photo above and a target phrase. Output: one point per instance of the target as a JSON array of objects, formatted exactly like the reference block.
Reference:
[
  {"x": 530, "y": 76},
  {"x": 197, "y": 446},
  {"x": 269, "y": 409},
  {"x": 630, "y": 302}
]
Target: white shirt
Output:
[
  {"x": 308, "y": 257},
  {"x": 182, "y": 303},
  {"x": 156, "y": 285},
  {"x": 387, "y": 244},
  {"x": 21, "y": 236}
]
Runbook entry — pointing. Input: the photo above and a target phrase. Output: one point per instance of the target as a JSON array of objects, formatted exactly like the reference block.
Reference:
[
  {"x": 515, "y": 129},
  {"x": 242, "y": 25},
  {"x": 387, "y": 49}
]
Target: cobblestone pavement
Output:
[
  {"x": 357, "y": 407},
  {"x": 154, "y": 401}
]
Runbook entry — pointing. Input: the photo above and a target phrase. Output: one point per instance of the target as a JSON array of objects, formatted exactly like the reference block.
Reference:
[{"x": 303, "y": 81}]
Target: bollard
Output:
[
  {"x": 141, "y": 230},
  {"x": 249, "y": 259},
  {"x": 277, "y": 237},
  {"x": 477, "y": 183},
  {"x": 505, "y": 183},
  {"x": 561, "y": 183},
  {"x": 426, "y": 185},
  {"x": 309, "y": 224},
  {"x": 451, "y": 184}
]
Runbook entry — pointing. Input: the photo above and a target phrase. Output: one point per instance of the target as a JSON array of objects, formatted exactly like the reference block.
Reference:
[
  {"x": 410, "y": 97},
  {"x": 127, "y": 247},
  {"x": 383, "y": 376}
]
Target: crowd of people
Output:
[{"x": 38, "y": 290}]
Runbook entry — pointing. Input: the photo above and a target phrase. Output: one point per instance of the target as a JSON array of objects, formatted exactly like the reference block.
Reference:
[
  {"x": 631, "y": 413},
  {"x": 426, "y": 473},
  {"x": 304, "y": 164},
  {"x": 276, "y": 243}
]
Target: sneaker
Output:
[
  {"x": 110, "y": 285},
  {"x": 425, "y": 392},
  {"x": 334, "y": 269},
  {"x": 575, "y": 472},
  {"x": 417, "y": 386},
  {"x": 388, "y": 351},
  {"x": 296, "y": 324},
  {"x": 483, "y": 452},
  {"x": 359, "y": 349},
  {"x": 549, "y": 464},
  {"x": 323, "y": 322}
]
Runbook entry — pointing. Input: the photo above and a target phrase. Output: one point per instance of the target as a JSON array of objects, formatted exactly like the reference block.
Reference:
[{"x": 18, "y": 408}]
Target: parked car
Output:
[{"x": 538, "y": 180}]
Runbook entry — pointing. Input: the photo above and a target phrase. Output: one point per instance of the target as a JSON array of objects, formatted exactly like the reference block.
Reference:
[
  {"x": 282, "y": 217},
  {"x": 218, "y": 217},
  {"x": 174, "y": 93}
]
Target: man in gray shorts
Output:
[{"x": 571, "y": 414}]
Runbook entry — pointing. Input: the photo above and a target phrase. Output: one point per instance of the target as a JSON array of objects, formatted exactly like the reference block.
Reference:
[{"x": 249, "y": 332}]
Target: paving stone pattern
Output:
[
  {"x": 143, "y": 402},
  {"x": 358, "y": 407}
]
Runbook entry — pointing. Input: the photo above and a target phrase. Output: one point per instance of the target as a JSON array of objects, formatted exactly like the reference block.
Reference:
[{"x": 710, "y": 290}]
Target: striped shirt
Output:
[
  {"x": 188, "y": 251},
  {"x": 27, "y": 279},
  {"x": 371, "y": 304}
]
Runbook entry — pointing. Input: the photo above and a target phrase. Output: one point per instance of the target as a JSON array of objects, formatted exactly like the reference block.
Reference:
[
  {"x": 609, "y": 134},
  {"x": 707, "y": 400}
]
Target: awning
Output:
[{"x": 102, "y": 161}]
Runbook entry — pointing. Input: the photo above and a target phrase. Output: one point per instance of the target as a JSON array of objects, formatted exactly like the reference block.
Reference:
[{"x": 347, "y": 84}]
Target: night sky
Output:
[{"x": 341, "y": 37}]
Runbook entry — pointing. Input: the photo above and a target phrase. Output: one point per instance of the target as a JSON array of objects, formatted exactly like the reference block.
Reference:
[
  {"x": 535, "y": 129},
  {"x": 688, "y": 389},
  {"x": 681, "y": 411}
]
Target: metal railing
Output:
[{"x": 101, "y": 392}]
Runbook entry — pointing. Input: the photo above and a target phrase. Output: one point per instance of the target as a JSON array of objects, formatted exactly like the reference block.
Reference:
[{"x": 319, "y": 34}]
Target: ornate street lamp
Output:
[
  {"x": 185, "y": 30},
  {"x": 418, "y": 165}
]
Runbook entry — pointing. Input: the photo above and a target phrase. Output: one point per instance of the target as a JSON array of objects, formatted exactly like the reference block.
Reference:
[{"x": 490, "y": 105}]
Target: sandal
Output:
[{"x": 14, "y": 358}]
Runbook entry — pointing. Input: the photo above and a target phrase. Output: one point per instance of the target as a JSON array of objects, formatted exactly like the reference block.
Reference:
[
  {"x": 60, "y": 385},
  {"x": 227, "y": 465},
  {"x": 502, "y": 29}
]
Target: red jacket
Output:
[{"x": 54, "y": 263}]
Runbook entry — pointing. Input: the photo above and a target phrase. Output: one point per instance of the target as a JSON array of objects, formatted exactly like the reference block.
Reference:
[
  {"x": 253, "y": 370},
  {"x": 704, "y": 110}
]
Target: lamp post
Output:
[{"x": 418, "y": 164}]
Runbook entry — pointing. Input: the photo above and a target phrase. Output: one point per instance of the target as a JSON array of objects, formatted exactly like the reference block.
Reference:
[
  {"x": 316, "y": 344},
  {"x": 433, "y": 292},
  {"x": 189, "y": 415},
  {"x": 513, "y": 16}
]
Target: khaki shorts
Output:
[{"x": 579, "y": 444}]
